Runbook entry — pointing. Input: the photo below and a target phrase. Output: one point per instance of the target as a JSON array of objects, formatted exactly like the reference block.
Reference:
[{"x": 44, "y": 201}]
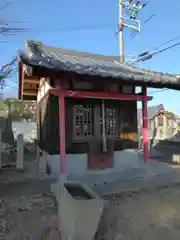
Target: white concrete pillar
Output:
[
  {"x": 42, "y": 161},
  {"x": 20, "y": 152}
]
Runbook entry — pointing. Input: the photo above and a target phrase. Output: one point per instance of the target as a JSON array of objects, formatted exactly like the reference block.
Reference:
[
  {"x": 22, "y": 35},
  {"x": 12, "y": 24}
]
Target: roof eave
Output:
[{"x": 32, "y": 56}]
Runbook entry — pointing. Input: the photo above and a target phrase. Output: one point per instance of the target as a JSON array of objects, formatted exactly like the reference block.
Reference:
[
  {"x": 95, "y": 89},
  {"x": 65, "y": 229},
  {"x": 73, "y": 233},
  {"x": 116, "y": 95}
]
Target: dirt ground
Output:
[
  {"x": 143, "y": 216},
  {"x": 31, "y": 218},
  {"x": 134, "y": 217}
]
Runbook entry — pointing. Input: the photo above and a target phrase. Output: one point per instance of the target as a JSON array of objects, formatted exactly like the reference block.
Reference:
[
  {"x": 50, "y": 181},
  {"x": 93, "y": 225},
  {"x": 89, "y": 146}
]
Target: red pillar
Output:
[
  {"x": 62, "y": 135},
  {"x": 145, "y": 125}
]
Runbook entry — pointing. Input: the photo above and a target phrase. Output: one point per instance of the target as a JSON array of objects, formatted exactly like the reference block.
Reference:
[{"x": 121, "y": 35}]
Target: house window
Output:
[
  {"x": 168, "y": 122},
  {"x": 83, "y": 120},
  {"x": 88, "y": 118},
  {"x": 160, "y": 120},
  {"x": 111, "y": 116}
]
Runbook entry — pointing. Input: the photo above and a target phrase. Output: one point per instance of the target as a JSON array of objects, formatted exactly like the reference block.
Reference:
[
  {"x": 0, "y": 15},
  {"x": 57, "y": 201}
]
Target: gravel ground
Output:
[
  {"x": 32, "y": 218},
  {"x": 142, "y": 216}
]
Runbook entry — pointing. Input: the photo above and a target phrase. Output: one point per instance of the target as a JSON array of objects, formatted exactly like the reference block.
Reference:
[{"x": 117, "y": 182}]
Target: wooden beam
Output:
[
  {"x": 29, "y": 98},
  {"x": 100, "y": 95},
  {"x": 30, "y": 80},
  {"x": 30, "y": 93},
  {"x": 32, "y": 77},
  {"x": 30, "y": 86},
  {"x": 30, "y": 90}
]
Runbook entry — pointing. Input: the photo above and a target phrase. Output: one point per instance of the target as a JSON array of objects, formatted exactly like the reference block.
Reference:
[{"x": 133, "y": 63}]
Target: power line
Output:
[
  {"x": 164, "y": 43},
  {"x": 146, "y": 52},
  {"x": 158, "y": 91},
  {"x": 146, "y": 55},
  {"x": 165, "y": 49},
  {"x": 78, "y": 28},
  {"x": 169, "y": 41},
  {"x": 148, "y": 19},
  {"x": 106, "y": 25}
]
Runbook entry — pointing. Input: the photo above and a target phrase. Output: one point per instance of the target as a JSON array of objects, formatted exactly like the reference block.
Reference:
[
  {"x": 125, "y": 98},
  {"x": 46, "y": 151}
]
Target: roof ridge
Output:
[
  {"x": 68, "y": 50},
  {"x": 106, "y": 58}
]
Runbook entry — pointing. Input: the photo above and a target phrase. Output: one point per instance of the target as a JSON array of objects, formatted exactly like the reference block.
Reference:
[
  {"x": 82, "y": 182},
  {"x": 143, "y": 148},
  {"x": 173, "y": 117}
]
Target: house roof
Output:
[
  {"x": 152, "y": 111},
  {"x": 171, "y": 115},
  {"x": 37, "y": 54}
]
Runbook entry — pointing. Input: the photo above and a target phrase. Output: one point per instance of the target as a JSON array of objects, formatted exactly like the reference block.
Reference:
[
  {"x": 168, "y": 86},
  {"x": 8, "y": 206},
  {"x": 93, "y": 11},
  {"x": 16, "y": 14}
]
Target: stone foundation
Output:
[{"x": 77, "y": 164}]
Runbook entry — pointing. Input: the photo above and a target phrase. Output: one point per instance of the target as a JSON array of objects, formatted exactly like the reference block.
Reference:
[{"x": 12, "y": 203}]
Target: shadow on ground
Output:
[
  {"x": 142, "y": 216},
  {"x": 164, "y": 150}
]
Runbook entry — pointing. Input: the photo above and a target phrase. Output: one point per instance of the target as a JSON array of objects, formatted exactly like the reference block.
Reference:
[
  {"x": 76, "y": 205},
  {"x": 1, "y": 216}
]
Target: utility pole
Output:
[
  {"x": 128, "y": 20},
  {"x": 121, "y": 27}
]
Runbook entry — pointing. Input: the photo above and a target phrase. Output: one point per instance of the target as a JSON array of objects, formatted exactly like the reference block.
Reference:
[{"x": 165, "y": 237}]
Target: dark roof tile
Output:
[{"x": 37, "y": 54}]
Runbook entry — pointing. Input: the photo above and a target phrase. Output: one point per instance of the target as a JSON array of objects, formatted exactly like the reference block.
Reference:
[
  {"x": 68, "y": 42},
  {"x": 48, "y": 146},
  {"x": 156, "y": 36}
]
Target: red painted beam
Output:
[
  {"x": 145, "y": 125},
  {"x": 62, "y": 136},
  {"x": 100, "y": 95}
]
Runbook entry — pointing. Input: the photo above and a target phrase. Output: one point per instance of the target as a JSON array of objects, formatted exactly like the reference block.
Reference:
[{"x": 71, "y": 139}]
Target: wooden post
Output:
[
  {"x": 37, "y": 152},
  {"x": 145, "y": 124},
  {"x": 20, "y": 152},
  {"x": 62, "y": 137}
]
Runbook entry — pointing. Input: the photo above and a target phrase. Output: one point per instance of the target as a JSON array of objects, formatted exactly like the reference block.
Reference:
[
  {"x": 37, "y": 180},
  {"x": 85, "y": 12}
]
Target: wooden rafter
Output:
[{"x": 30, "y": 93}]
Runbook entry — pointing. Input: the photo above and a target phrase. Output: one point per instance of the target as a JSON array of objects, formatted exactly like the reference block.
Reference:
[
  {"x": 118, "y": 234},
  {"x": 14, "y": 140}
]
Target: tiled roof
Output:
[{"x": 37, "y": 54}]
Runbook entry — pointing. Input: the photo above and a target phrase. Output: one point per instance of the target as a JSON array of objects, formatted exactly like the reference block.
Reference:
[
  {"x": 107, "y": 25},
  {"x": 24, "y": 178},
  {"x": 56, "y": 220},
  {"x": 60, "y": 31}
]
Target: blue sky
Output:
[{"x": 91, "y": 26}]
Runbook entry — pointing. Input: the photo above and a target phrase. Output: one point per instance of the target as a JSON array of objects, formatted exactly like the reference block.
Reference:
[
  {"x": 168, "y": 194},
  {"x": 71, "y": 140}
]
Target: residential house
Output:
[{"x": 161, "y": 123}]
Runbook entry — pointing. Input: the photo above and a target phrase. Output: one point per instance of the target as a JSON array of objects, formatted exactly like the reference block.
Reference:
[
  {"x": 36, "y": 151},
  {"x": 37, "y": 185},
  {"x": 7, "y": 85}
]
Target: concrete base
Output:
[
  {"x": 127, "y": 165},
  {"x": 77, "y": 164},
  {"x": 126, "y": 158},
  {"x": 73, "y": 222}
]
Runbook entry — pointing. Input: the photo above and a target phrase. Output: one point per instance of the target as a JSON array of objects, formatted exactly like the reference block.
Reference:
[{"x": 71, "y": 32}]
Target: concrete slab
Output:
[
  {"x": 139, "y": 184},
  {"x": 152, "y": 167},
  {"x": 109, "y": 181},
  {"x": 103, "y": 182}
]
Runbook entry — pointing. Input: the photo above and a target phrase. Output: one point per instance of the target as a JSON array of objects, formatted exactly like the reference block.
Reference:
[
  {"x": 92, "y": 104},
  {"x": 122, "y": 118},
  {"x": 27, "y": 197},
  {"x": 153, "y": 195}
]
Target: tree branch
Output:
[{"x": 8, "y": 28}]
